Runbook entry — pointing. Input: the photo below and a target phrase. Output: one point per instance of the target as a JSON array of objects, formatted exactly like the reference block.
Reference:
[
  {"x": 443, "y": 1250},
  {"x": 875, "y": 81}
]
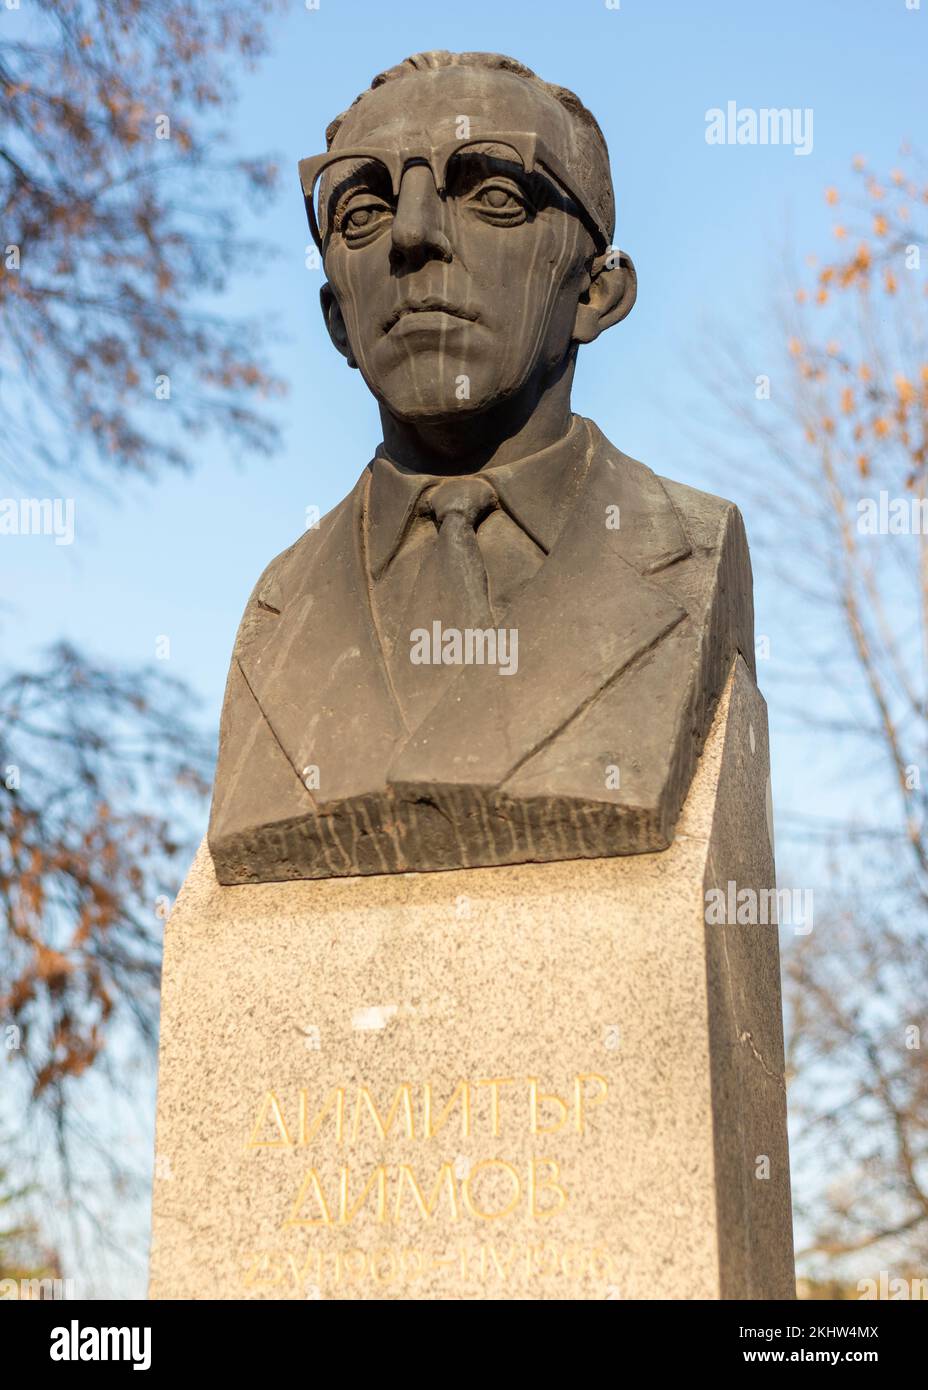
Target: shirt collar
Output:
[{"x": 538, "y": 491}]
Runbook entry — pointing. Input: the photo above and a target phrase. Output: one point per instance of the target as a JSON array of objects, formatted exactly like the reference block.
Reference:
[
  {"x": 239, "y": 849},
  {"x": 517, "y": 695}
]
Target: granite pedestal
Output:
[{"x": 545, "y": 1081}]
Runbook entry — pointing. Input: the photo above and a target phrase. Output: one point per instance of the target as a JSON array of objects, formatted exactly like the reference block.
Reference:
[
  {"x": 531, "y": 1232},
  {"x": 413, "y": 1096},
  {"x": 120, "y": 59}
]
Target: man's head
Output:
[{"x": 457, "y": 276}]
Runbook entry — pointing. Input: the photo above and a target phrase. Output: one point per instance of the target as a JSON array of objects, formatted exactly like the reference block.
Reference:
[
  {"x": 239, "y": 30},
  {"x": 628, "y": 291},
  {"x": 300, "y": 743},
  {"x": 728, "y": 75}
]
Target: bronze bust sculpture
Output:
[{"x": 506, "y": 643}]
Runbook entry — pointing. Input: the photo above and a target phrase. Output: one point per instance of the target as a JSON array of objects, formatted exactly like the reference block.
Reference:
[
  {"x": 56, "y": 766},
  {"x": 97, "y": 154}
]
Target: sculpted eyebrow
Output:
[
  {"x": 362, "y": 173},
  {"x": 468, "y": 166}
]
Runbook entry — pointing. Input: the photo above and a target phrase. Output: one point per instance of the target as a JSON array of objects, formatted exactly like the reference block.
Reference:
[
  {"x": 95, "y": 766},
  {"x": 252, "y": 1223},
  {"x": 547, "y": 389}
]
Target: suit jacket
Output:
[{"x": 626, "y": 639}]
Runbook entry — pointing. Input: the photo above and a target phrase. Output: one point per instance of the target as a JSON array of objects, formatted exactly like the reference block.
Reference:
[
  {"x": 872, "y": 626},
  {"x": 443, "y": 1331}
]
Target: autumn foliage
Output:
[
  {"x": 838, "y": 436},
  {"x": 121, "y": 207},
  {"x": 119, "y": 229},
  {"x": 871, "y": 388},
  {"x": 83, "y": 864}
]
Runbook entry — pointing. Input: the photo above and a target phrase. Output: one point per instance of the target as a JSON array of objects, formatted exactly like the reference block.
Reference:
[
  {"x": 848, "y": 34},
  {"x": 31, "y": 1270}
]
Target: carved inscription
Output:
[{"x": 426, "y": 1185}]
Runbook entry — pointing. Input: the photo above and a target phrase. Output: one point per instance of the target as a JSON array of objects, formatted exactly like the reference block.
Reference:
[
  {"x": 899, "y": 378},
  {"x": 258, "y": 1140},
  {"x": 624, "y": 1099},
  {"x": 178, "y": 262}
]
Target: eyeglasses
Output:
[{"x": 531, "y": 152}]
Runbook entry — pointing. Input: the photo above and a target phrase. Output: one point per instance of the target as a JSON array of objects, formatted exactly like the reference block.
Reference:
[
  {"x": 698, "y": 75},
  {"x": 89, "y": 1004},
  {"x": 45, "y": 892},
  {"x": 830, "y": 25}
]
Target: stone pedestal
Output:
[{"x": 546, "y": 1081}]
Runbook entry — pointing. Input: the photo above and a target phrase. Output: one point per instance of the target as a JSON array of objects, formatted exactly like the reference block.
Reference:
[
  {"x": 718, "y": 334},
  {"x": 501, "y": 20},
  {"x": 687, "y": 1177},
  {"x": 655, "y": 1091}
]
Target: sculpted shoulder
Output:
[
  {"x": 294, "y": 570},
  {"x": 708, "y": 519},
  {"x": 716, "y": 530}
]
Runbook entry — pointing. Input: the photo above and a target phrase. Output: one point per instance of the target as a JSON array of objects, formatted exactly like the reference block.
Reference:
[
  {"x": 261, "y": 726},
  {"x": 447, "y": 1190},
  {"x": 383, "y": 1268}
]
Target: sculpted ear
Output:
[
  {"x": 335, "y": 323},
  {"x": 612, "y": 292}
]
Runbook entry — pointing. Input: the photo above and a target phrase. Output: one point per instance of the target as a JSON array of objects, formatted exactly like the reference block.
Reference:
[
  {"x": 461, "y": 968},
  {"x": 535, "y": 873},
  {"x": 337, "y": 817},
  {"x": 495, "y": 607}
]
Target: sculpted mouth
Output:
[{"x": 429, "y": 305}]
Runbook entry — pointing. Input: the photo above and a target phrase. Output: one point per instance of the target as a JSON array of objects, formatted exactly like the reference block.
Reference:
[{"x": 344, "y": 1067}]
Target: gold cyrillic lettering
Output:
[
  {"x": 534, "y": 1096},
  {"x": 308, "y": 1134},
  {"x": 270, "y": 1103},
  {"x": 534, "y": 1186},
  {"x": 431, "y": 1127},
  {"x": 402, "y": 1097},
  {"x": 427, "y": 1209},
  {"x": 581, "y": 1102},
  {"x": 494, "y": 1082},
  {"x": 309, "y": 1184},
  {"x": 481, "y": 1167},
  {"x": 379, "y": 1176}
]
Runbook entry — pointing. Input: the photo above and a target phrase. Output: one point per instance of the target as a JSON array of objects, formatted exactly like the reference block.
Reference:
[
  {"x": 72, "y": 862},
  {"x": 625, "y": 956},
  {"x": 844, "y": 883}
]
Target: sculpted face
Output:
[{"x": 450, "y": 303}]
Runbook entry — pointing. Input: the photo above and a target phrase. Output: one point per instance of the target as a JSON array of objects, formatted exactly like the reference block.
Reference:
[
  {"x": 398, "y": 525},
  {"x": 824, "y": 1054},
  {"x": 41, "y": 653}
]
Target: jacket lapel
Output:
[
  {"x": 588, "y": 613},
  {"x": 312, "y": 660}
]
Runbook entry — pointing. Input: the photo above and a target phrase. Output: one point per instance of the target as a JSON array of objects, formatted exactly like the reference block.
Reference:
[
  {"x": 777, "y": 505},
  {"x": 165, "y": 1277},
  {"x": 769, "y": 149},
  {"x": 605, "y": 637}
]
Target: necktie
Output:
[
  {"x": 450, "y": 588},
  {"x": 458, "y": 505}
]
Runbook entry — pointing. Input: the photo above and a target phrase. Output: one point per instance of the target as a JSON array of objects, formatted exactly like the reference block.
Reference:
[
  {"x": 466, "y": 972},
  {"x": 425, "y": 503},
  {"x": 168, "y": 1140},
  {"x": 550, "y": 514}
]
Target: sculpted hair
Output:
[{"x": 594, "y": 169}]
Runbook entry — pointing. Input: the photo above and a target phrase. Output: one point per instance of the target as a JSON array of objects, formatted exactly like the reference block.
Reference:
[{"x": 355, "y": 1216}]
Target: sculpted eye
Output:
[
  {"x": 361, "y": 217},
  {"x": 500, "y": 203}
]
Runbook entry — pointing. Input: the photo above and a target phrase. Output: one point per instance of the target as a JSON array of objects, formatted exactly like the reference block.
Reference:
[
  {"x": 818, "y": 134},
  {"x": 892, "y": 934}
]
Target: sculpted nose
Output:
[{"x": 417, "y": 224}]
